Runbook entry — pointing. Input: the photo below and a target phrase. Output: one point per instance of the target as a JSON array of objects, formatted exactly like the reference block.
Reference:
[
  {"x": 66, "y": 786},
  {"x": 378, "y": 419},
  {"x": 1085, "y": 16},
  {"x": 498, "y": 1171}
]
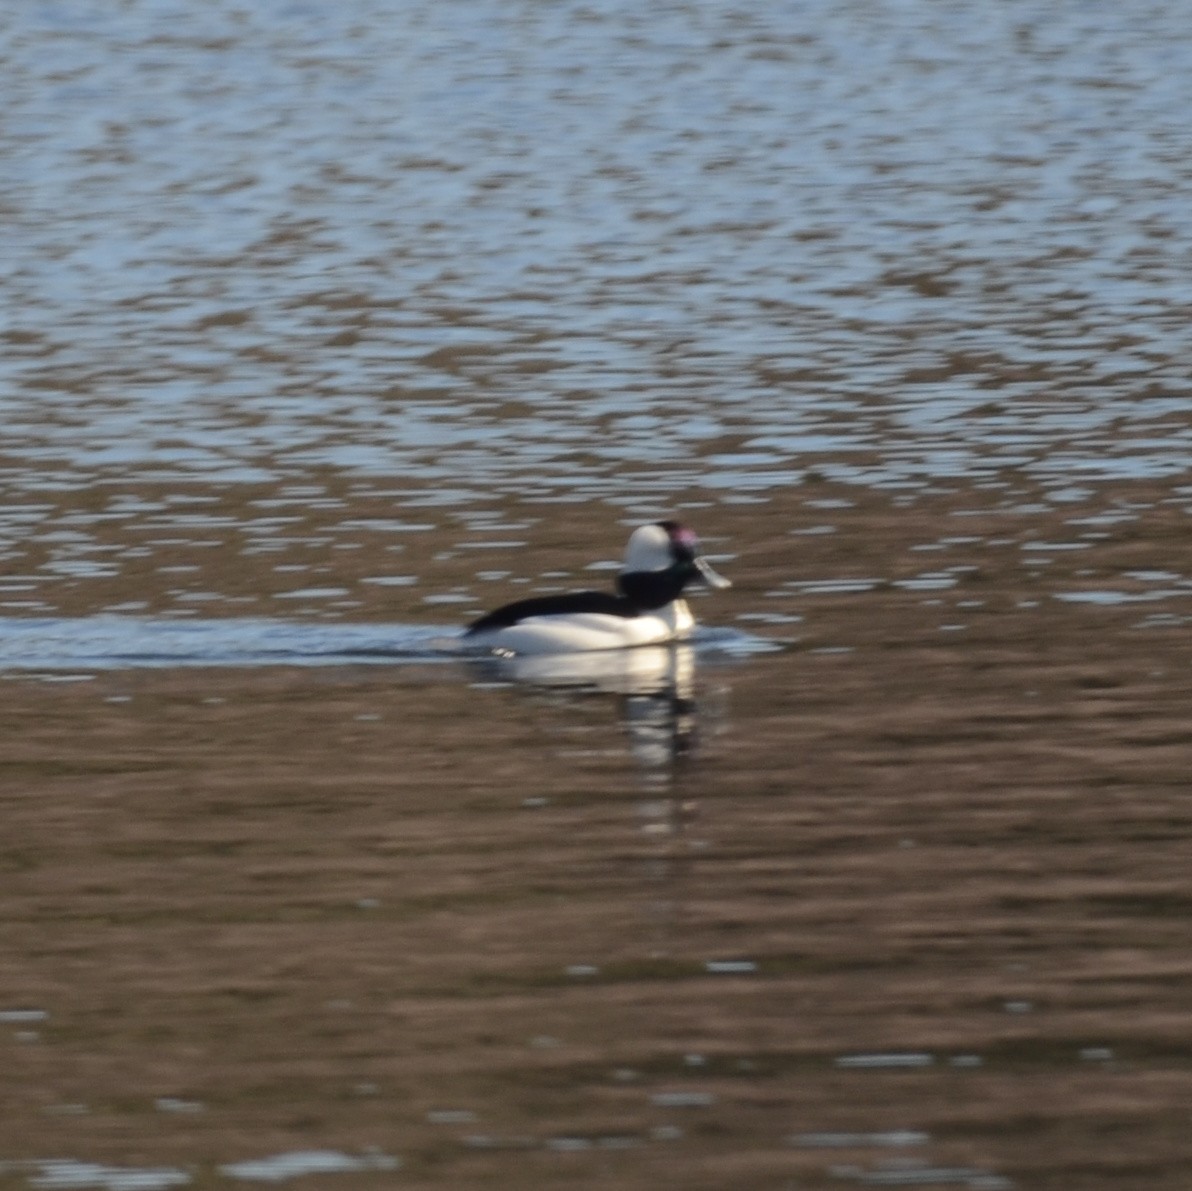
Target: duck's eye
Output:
[{"x": 684, "y": 546}]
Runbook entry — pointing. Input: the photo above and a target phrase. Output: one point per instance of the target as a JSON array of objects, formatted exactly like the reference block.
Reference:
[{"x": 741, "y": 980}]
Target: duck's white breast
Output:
[{"x": 581, "y": 632}]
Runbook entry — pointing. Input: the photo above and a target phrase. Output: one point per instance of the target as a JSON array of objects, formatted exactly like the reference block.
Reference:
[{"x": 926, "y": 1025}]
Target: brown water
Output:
[{"x": 327, "y": 326}]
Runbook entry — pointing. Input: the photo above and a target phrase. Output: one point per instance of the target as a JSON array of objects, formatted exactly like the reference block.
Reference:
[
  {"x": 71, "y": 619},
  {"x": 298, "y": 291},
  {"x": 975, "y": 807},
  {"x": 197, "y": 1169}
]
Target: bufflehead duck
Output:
[{"x": 648, "y": 609}]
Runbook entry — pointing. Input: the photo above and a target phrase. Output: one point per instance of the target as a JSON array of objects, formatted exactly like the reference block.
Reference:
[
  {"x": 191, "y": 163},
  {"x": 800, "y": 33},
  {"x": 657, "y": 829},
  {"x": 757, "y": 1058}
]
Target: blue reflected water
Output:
[
  {"x": 548, "y": 246},
  {"x": 119, "y": 642},
  {"x": 362, "y": 265}
]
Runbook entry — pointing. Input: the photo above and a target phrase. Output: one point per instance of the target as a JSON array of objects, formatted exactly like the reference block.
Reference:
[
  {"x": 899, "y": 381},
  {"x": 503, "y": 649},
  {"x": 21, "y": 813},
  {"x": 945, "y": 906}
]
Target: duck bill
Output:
[{"x": 710, "y": 577}]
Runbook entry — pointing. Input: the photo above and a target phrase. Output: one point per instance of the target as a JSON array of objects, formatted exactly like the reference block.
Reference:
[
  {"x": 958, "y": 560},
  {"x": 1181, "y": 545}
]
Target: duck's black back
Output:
[{"x": 554, "y": 605}]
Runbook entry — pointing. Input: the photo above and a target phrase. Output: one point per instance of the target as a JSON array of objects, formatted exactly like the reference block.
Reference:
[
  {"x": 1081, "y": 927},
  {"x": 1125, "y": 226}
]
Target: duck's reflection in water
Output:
[{"x": 655, "y": 686}]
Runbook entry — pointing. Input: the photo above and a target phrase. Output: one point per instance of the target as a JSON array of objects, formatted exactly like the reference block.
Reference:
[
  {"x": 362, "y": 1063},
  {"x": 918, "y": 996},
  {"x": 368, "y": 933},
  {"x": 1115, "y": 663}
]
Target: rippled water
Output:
[
  {"x": 326, "y": 326},
  {"x": 437, "y": 256}
]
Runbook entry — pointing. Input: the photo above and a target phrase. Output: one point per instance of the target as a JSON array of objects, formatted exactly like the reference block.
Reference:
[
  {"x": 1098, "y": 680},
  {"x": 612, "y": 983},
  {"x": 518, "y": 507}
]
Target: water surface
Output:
[{"x": 327, "y": 327}]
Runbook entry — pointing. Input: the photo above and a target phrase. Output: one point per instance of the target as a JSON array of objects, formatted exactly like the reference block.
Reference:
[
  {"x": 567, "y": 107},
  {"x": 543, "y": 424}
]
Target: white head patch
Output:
[{"x": 649, "y": 549}]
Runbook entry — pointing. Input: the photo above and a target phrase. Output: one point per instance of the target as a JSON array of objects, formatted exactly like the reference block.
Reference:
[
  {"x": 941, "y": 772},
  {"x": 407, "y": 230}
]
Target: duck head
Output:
[{"x": 660, "y": 560}]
